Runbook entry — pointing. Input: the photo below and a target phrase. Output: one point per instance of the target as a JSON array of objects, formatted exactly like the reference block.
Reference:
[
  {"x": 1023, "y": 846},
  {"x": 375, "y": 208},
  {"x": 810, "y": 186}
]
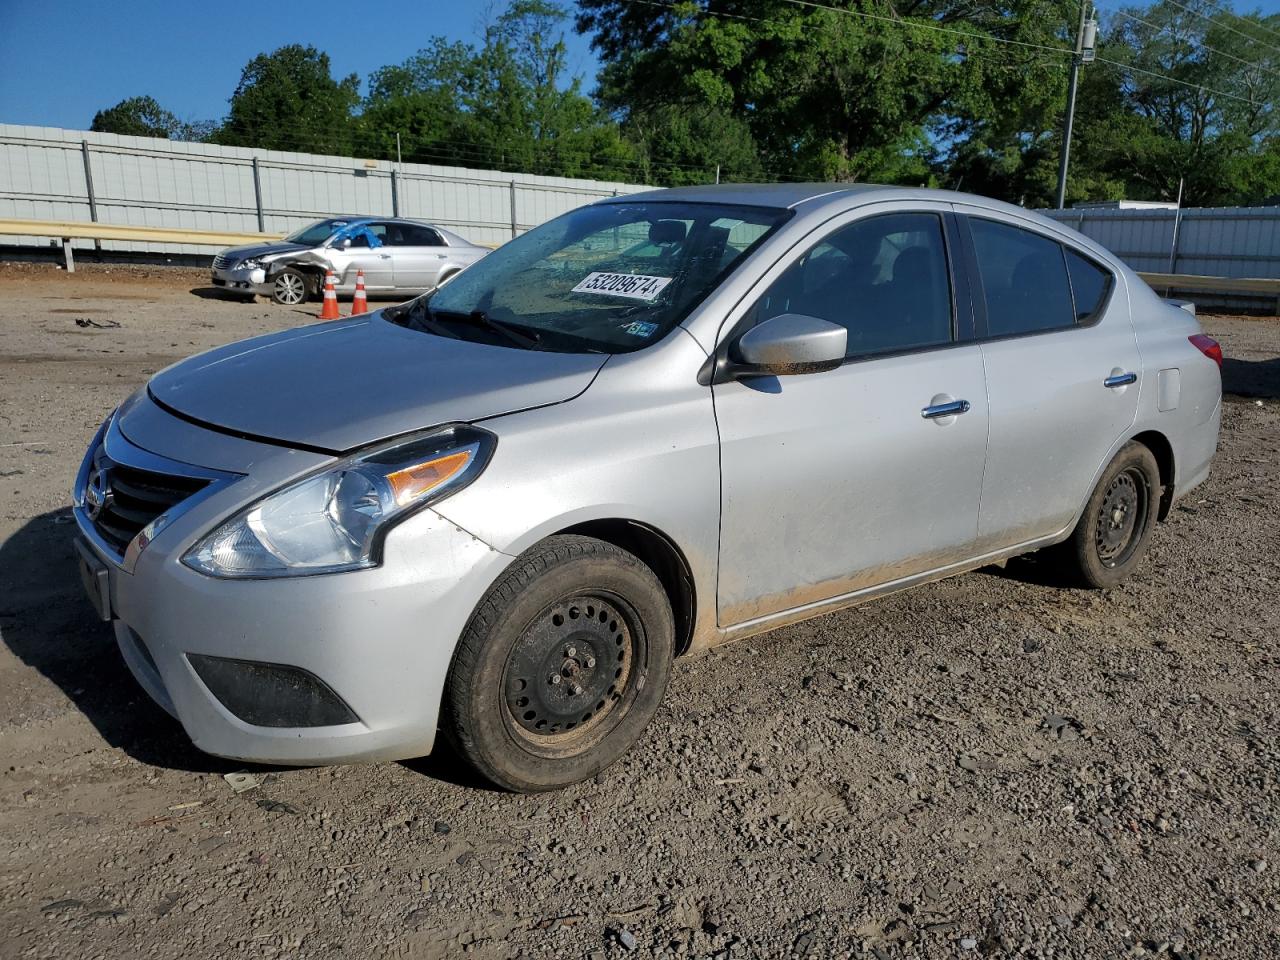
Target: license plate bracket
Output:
[{"x": 96, "y": 577}]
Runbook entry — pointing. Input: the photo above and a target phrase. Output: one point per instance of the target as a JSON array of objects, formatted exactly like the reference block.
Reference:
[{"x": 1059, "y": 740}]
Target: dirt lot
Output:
[{"x": 988, "y": 766}]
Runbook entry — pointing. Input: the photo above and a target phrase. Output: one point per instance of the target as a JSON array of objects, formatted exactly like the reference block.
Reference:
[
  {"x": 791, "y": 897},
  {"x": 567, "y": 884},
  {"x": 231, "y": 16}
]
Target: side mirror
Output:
[
  {"x": 345, "y": 243},
  {"x": 787, "y": 344}
]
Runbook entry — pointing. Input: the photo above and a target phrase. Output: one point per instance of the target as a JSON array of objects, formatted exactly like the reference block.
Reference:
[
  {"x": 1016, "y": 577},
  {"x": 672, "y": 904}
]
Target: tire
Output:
[
  {"x": 562, "y": 666},
  {"x": 290, "y": 287},
  {"x": 1115, "y": 530}
]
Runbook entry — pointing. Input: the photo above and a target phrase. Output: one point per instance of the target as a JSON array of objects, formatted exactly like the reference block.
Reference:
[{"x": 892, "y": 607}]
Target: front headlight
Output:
[
  {"x": 336, "y": 519},
  {"x": 249, "y": 265}
]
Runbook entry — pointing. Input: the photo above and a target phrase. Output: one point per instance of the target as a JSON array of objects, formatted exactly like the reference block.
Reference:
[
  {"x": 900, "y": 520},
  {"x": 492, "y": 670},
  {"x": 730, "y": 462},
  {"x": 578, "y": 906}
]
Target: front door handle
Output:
[
  {"x": 949, "y": 409},
  {"x": 1120, "y": 380}
]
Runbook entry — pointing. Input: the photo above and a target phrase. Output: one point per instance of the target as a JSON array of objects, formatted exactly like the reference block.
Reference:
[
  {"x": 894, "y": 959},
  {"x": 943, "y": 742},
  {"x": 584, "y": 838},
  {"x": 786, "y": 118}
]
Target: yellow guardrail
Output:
[
  {"x": 68, "y": 230},
  {"x": 1265, "y": 286}
]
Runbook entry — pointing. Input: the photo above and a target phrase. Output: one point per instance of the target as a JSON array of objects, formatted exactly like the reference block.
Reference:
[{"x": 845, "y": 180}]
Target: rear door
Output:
[
  {"x": 1062, "y": 374},
  {"x": 839, "y": 481},
  {"x": 417, "y": 253}
]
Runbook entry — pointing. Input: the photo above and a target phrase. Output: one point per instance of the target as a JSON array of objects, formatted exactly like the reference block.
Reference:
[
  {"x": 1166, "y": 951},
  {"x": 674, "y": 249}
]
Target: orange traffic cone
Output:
[
  {"x": 360, "y": 303},
  {"x": 330, "y": 309}
]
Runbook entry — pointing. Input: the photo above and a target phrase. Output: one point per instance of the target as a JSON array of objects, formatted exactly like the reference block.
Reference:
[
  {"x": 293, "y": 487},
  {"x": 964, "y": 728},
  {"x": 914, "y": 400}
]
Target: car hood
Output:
[
  {"x": 259, "y": 250},
  {"x": 337, "y": 386}
]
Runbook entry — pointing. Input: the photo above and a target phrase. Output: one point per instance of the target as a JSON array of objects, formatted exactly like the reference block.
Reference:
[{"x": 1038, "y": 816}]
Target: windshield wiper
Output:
[
  {"x": 514, "y": 332},
  {"x": 416, "y": 314}
]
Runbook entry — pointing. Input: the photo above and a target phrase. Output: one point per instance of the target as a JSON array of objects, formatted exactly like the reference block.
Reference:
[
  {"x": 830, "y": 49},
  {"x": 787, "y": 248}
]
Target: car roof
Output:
[
  {"x": 749, "y": 194},
  {"x": 792, "y": 195}
]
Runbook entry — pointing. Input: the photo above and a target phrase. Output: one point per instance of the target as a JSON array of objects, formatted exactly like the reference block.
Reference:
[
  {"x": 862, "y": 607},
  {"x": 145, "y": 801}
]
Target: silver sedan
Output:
[
  {"x": 655, "y": 424},
  {"x": 396, "y": 256}
]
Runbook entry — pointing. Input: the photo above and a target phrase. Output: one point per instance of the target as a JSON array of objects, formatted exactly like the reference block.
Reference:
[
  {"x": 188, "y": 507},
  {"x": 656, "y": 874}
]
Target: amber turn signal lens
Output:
[{"x": 412, "y": 482}]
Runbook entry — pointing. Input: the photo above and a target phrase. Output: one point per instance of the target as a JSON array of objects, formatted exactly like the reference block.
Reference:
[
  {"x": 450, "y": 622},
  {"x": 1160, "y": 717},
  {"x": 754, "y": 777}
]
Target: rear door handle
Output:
[
  {"x": 945, "y": 409},
  {"x": 1120, "y": 380}
]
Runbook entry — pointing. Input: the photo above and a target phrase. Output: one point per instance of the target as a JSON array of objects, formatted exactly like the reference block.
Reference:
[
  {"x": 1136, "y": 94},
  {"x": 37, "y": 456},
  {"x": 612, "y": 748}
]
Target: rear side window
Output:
[
  {"x": 884, "y": 279},
  {"x": 412, "y": 235},
  {"x": 1089, "y": 285},
  {"x": 1024, "y": 278}
]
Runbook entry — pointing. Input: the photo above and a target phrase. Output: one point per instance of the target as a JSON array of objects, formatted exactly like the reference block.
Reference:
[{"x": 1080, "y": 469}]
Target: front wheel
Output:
[
  {"x": 562, "y": 666},
  {"x": 289, "y": 287},
  {"x": 1115, "y": 529}
]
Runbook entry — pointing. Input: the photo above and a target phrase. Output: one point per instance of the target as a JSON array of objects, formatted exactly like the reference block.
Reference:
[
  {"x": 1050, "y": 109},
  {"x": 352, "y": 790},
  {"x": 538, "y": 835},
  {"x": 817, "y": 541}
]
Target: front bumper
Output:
[
  {"x": 380, "y": 639},
  {"x": 241, "y": 281}
]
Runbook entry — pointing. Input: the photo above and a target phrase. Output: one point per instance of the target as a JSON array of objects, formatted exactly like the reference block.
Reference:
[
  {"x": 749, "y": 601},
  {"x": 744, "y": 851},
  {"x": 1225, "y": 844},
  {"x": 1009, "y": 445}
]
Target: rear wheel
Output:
[
  {"x": 289, "y": 287},
  {"x": 563, "y": 665},
  {"x": 1115, "y": 530}
]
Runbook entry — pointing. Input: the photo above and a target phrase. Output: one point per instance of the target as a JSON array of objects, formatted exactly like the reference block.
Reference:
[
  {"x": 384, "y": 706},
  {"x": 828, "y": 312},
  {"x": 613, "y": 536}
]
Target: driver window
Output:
[{"x": 884, "y": 279}]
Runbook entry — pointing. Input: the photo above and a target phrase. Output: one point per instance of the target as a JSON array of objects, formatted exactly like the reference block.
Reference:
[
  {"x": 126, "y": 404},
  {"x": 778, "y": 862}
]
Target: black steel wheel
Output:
[
  {"x": 563, "y": 665},
  {"x": 571, "y": 669},
  {"x": 1115, "y": 529}
]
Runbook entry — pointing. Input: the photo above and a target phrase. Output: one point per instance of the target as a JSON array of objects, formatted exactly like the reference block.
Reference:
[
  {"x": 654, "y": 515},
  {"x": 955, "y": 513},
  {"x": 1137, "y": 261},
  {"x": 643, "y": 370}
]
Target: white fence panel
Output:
[
  {"x": 150, "y": 182},
  {"x": 1208, "y": 241}
]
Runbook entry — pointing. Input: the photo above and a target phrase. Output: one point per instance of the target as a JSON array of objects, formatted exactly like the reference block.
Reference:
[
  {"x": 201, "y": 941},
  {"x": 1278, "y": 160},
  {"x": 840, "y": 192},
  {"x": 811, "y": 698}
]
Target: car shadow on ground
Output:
[
  {"x": 217, "y": 293},
  {"x": 1252, "y": 378},
  {"x": 48, "y": 624}
]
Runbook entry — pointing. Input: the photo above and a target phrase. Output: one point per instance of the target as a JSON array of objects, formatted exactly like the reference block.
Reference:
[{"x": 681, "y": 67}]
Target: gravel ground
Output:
[{"x": 986, "y": 766}]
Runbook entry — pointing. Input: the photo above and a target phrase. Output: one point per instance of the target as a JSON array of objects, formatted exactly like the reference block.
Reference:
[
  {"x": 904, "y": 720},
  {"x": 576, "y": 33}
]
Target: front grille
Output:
[
  {"x": 223, "y": 263},
  {"x": 122, "y": 500}
]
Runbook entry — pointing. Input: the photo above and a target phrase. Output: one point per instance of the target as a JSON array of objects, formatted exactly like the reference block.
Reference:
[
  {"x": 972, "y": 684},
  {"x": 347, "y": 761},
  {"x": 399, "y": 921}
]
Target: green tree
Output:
[
  {"x": 139, "y": 117},
  {"x": 852, "y": 92},
  {"x": 422, "y": 101},
  {"x": 289, "y": 100},
  {"x": 678, "y": 145},
  {"x": 509, "y": 103},
  {"x": 1193, "y": 101}
]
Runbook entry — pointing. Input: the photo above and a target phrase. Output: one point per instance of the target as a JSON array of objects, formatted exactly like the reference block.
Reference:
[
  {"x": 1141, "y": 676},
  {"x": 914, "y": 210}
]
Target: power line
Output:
[
  {"x": 1115, "y": 63},
  {"x": 1196, "y": 43},
  {"x": 1253, "y": 23},
  {"x": 1182, "y": 83},
  {"x": 910, "y": 24},
  {"x": 1231, "y": 13},
  {"x": 1224, "y": 26}
]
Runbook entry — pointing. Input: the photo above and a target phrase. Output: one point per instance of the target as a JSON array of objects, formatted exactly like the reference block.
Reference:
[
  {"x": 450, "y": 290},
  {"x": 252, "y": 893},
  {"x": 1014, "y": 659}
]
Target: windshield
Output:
[
  {"x": 316, "y": 233},
  {"x": 609, "y": 278}
]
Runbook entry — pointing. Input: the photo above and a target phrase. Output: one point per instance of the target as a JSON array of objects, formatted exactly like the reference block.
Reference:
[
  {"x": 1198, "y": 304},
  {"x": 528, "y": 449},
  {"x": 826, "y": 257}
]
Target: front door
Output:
[
  {"x": 839, "y": 481},
  {"x": 373, "y": 256},
  {"x": 1060, "y": 351}
]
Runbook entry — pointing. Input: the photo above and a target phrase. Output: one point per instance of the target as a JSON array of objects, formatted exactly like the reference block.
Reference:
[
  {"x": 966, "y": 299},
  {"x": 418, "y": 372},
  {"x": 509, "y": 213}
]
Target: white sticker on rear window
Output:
[{"x": 633, "y": 286}]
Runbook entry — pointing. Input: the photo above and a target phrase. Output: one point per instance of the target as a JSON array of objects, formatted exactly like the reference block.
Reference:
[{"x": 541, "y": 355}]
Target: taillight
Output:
[{"x": 1210, "y": 347}]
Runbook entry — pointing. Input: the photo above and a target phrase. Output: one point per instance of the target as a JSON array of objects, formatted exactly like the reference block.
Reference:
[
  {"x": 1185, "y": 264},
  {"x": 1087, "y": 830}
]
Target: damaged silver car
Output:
[{"x": 396, "y": 256}]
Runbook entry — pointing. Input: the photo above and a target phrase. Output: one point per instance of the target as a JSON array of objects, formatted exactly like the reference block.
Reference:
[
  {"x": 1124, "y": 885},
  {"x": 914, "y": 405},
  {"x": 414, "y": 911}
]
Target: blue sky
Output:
[{"x": 63, "y": 60}]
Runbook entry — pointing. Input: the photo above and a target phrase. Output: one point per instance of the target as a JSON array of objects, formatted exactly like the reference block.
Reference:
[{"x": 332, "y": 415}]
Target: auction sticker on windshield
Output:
[{"x": 634, "y": 286}]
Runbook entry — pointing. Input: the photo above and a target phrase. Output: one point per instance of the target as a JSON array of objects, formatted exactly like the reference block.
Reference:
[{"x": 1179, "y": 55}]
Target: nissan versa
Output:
[{"x": 657, "y": 423}]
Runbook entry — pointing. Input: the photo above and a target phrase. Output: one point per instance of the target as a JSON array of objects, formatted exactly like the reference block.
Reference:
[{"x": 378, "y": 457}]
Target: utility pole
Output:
[{"x": 1086, "y": 35}]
